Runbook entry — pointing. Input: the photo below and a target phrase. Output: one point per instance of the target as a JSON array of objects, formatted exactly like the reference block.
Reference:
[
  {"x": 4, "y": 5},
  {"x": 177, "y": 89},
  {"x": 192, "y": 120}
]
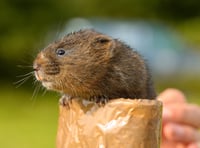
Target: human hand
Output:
[{"x": 181, "y": 121}]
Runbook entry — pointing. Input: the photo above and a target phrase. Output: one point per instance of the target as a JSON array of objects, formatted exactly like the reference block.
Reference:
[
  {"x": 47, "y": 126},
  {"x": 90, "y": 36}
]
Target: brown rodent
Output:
[{"x": 90, "y": 65}]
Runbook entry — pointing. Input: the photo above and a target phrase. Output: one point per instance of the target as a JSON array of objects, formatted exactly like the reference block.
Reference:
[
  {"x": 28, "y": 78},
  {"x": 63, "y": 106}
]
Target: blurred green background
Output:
[{"x": 28, "y": 115}]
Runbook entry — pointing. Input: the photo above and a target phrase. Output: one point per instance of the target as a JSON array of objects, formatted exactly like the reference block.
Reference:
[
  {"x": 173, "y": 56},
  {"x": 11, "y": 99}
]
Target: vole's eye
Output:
[{"x": 60, "y": 51}]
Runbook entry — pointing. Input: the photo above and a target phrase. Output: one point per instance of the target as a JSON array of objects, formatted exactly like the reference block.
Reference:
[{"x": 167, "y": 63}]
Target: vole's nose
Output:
[
  {"x": 36, "y": 67},
  {"x": 39, "y": 61}
]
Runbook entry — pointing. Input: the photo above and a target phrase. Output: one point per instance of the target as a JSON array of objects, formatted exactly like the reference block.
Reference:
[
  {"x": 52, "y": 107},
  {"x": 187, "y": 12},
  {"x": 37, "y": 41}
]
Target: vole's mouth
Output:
[
  {"x": 45, "y": 82},
  {"x": 38, "y": 77}
]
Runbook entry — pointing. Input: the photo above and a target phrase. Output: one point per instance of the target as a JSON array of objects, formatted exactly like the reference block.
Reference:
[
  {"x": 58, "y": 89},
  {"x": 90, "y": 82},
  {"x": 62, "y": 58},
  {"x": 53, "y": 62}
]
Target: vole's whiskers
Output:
[
  {"x": 35, "y": 82},
  {"x": 44, "y": 90},
  {"x": 36, "y": 90},
  {"x": 28, "y": 74},
  {"x": 25, "y": 66},
  {"x": 24, "y": 77}
]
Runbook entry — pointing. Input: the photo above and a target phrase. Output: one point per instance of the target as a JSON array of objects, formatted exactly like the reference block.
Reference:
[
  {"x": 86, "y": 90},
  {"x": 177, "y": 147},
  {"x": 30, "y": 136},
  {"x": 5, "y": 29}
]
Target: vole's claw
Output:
[
  {"x": 65, "y": 100},
  {"x": 101, "y": 100}
]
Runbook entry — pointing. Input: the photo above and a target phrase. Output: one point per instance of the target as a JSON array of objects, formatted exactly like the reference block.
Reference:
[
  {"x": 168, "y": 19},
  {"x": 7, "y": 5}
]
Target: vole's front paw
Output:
[
  {"x": 65, "y": 100},
  {"x": 100, "y": 100}
]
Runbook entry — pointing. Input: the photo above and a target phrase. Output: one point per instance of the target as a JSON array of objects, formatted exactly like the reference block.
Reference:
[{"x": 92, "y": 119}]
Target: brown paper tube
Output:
[{"x": 121, "y": 123}]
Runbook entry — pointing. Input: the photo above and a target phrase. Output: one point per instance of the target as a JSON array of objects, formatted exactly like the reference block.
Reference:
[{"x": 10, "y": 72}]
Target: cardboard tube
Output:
[{"x": 121, "y": 123}]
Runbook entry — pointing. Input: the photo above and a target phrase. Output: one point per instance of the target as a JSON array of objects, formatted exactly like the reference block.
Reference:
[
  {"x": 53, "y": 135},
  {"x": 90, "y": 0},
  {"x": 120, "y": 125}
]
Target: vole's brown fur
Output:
[{"x": 91, "y": 65}]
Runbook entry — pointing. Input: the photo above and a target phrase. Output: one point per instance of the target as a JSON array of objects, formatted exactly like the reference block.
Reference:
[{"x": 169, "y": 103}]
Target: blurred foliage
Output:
[
  {"x": 189, "y": 29},
  {"x": 24, "y": 24}
]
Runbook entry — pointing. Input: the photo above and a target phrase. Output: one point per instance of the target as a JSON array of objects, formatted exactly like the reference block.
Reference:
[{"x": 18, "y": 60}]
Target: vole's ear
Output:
[{"x": 102, "y": 42}]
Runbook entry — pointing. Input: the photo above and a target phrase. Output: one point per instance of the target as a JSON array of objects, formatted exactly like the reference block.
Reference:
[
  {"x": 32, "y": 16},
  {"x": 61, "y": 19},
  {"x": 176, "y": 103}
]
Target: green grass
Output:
[{"x": 27, "y": 123}]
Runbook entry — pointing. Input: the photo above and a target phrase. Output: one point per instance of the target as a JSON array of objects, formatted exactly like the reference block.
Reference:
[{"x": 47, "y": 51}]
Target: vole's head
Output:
[{"x": 74, "y": 63}]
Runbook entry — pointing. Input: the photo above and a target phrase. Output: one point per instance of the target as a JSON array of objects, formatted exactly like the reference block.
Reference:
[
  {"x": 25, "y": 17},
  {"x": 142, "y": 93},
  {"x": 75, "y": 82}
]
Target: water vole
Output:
[{"x": 90, "y": 65}]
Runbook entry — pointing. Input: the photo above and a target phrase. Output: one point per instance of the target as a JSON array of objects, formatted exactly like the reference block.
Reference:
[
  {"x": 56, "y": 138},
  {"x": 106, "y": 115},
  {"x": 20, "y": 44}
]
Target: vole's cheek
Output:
[{"x": 51, "y": 68}]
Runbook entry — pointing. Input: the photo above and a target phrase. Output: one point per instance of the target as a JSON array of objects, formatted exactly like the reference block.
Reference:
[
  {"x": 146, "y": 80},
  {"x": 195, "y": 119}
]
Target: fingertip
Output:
[{"x": 172, "y": 94}]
